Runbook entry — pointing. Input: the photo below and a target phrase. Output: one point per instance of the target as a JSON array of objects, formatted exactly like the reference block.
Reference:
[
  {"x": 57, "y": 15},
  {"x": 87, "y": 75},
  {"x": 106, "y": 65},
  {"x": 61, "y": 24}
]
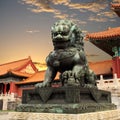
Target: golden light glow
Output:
[{"x": 40, "y": 66}]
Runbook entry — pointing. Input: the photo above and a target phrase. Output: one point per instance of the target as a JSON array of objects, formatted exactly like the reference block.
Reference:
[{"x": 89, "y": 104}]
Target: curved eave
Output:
[
  {"x": 111, "y": 33},
  {"x": 15, "y": 73},
  {"x": 21, "y": 74},
  {"x": 3, "y": 73},
  {"x": 37, "y": 77},
  {"x": 106, "y": 44},
  {"x": 27, "y": 82},
  {"x": 107, "y": 37},
  {"x": 105, "y": 40},
  {"x": 17, "y": 66},
  {"x": 116, "y": 8}
]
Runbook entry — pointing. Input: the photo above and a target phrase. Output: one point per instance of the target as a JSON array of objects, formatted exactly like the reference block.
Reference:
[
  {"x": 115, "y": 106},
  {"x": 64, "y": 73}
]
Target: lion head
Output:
[{"x": 66, "y": 33}]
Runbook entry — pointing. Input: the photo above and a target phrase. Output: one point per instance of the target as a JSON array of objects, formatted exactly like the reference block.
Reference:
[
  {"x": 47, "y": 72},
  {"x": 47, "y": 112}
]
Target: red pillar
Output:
[
  {"x": 13, "y": 88},
  {"x": 116, "y": 66}
]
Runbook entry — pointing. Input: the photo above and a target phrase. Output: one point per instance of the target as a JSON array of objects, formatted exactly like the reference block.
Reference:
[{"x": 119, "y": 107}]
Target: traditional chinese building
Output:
[
  {"x": 13, "y": 72},
  {"x": 19, "y": 75},
  {"x": 108, "y": 41}
]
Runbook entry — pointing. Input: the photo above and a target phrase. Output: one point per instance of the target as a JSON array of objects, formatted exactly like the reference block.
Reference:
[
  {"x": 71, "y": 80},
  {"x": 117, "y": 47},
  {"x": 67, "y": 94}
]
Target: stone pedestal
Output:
[{"x": 69, "y": 99}]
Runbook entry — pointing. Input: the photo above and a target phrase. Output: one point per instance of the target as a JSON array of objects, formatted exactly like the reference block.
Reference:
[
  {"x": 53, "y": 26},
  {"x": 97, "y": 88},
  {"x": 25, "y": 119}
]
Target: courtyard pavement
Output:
[{"x": 4, "y": 116}]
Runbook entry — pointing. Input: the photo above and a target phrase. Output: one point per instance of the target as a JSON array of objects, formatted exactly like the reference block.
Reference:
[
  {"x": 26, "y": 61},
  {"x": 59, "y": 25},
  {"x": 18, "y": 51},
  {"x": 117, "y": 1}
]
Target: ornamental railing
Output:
[
  {"x": 107, "y": 84},
  {"x": 7, "y": 96}
]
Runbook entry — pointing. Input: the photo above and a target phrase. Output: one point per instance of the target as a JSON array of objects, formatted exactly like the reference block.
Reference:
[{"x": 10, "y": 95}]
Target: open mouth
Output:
[{"x": 60, "y": 44}]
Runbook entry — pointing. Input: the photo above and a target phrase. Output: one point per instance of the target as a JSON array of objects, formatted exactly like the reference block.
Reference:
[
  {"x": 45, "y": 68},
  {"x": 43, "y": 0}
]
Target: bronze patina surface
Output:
[{"x": 68, "y": 57}]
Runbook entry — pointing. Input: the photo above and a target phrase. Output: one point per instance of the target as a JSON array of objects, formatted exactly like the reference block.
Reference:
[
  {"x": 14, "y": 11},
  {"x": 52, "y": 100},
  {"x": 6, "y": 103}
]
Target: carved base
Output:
[{"x": 69, "y": 99}]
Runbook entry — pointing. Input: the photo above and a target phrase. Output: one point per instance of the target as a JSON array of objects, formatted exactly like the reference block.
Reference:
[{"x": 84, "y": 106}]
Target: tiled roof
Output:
[
  {"x": 37, "y": 77},
  {"x": 116, "y": 5},
  {"x": 108, "y": 34},
  {"x": 17, "y": 73},
  {"x": 102, "y": 67},
  {"x": 116, "y": 8},
  {"x": 16, "y": 66}
]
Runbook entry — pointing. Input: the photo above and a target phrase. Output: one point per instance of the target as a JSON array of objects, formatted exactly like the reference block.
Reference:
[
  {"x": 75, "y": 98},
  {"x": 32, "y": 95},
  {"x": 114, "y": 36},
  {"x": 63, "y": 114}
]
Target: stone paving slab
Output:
[
  {"x": 103, "y": 115},
  {"x": 4, "y": 116}
]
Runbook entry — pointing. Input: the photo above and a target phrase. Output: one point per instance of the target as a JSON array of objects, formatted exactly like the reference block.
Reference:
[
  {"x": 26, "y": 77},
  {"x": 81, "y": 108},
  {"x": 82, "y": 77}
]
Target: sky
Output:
[{"x": 25, "y": 26}]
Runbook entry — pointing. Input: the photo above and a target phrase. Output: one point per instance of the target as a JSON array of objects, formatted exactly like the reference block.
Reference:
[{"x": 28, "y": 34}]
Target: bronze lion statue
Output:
[{"x": 68, "y": 57}]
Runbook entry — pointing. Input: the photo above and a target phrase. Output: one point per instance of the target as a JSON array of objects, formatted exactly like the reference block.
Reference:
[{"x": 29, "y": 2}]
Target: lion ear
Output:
[{"x": 72, "y": 33}]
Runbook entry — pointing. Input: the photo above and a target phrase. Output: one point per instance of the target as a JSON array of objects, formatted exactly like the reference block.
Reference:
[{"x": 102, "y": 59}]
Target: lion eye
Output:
[
  {"x": 60, "y": 33},
  {"x": 56, "y": 33}
]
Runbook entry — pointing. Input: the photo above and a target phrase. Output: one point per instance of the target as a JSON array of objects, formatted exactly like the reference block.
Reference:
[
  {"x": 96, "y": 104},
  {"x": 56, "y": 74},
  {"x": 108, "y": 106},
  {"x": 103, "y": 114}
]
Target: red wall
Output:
[
  {"x": 13, "y": 88},
  {"x": 116, "y": 66},
  {"x": 19, "y": 92}
]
